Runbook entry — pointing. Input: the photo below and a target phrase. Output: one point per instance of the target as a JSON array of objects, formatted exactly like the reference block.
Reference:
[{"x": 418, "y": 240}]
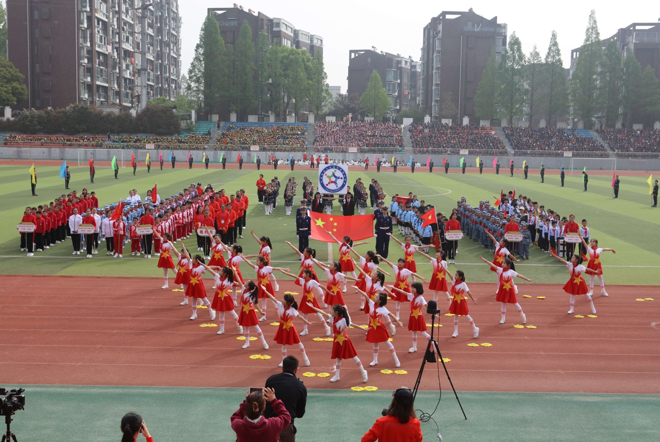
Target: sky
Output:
[{"x": 396, "y": 26}]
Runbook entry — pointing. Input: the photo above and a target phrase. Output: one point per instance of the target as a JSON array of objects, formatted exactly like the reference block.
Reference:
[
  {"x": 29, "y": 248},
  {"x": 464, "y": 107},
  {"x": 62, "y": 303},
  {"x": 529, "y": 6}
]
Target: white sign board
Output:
[{"x": 333, "y": 179}]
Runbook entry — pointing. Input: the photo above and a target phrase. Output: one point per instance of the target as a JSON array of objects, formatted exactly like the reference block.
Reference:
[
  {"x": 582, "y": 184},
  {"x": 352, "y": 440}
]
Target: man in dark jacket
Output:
[
  {"x": 348, "y": 205},
  {"x": 292, "y": 392}
]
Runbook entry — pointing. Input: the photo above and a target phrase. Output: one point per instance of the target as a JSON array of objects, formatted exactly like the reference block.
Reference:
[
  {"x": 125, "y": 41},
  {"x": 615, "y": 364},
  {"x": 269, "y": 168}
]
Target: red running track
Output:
[{"x": 109, "y": 331}]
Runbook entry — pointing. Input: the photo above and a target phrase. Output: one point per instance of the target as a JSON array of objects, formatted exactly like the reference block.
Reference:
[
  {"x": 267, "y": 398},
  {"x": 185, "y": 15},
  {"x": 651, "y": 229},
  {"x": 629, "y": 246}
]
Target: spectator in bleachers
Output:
[
  {"x": 445, "y": 138},
  {"x": 339, "y": 136},
  {"x": 548, "y": 141},
  {"x": 277, "y": 137},
  {"x": 54, "y": 140},
  {"x": 632, "y": 142}
]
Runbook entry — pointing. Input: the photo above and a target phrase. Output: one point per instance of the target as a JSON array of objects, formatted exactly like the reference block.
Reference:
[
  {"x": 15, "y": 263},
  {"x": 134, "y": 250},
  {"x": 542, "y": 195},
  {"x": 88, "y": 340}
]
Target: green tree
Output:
[
  {"x": 416, "y": 113},
  {"x": 214, "y": 58},
  {"x": 649, "y": 93},
  {"x": 344, "y": 105},
  {"x": 157, "y": 120},
  {"x": 555, "y": 96},
  {"x": 585, "y": 95},
  {"x": 3, "y": 30},
  {"x": 448, "y": 109},
  {"x": 262, "y": 71},
  {"x": 297, "y": 85},
  {"x": 194, "y": 86},
  {"x": 12, "y": 88},
  {"x": 511, "y": 94},
  {"x": 375, "y": 100},
  {"x": 632, "y": 74},
  {"x": 485, "y": 104},
  {"x": 534, "y": 81},
  {"x": 275, "y": 79},
  {"x": 320, "y": 96},
  {"x": 244, "y": 71},
  {"x": 611, "y": 74}
]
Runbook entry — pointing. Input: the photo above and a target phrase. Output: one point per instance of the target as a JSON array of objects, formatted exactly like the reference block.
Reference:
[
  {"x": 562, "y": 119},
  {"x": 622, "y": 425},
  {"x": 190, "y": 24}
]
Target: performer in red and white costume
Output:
[
  {"x": 594, "y": 264},
  {"x": 196, "y": 287},
  {"x": 409, "y": 251},
  {"x": 265, "y": 250},
  {"x": 334, "y": 277},
  {"x": 501, "y": 253},
  {"x": 264, "y": 273},
  {"x": 416, "y": 322},
  {"x": 345, "y": 261},
  {"x": 217, "y": 252},
  {"x": 222, "y": 301},
  {"x": 165, "y": 261},
  {"x": 576, "y": 285},
  {"x": 286, "y": 332},
  {"x": 438, "y": 280},
  {"x": 248, "y": 317},
  {"x": 235, "y": 260},
  {"x": 401, "y": 275},
  {"x": 459, "y": 305},
  {"x": 182, "y": 271},
  {"x": 307, "y": 257},
  {"x": 310, "y": 287},
  {"x": 119, "y": 230},
  {"x": 376, "y": 331},
  {"x": 506, "y": 288},
  {"x": 342, "y": 347}
]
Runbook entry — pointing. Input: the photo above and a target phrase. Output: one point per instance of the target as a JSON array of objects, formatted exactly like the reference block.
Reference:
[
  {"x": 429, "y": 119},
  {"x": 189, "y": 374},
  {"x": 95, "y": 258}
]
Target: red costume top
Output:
[
  {"x": 459, "y": 304},
  {"x": 439, "y": 280},
  {"x": 342, "y": 347},
  {"x": 286, "y": 333},
  {"x": 309, "y": 287},
  {"x": 507, "y": 289},
  {"x": 410, "y": 251}
]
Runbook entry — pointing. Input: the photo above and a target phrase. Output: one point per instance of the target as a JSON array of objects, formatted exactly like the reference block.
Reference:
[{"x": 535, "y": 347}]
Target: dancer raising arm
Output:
[
  {"x": 342, "y": 347},
  {"x": 576, "y": 285},
  {"x": 265, "y": 250},
  {"x": 286, "y": 332},
  {"x": 438, "y": 280},
  {"x": 506, "y": 291},
  {"x": 409, "y": 251},
  {"x": 222, "y": 302},
  {"x": 165, "y": 261},
  {"x": 264, "y": 272},
  {"x": 183, "y": 273},
  {"x": 459, "y": 305},
  {"x": 347, "y": 264},
  {"x": 309, "y": 286},
  {"x": 376, "y": 331},
  {"x": 594, "y": 263},
  {"x": 307, "y": 258},
  {"x": 501, "y": 252},
  {"x": 248, "y": 318},
  {"x": 334, "y": 275},
  {"x": 416, "y": 322},
  {"x": 401, "y": 274},
  {"x": 196, "y": 289}
]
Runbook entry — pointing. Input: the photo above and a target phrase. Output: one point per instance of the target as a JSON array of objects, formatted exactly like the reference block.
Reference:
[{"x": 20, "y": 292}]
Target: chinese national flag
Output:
[
  {"x": 119, "y": 210},
  {"x": 403, "y": 200},
  {"x": 154, "y": 194},
  {"x": 429, "y": 218},
  {"x": 357, "y": 227}
]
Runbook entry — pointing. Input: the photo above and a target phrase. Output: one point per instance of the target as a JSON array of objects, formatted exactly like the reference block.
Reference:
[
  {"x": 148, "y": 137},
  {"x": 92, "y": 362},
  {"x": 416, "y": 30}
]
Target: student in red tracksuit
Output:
[
  {"x": 135, "y": 238},
  {"x": 119, "y": 229},
  {"x": 39, "y": 231}
]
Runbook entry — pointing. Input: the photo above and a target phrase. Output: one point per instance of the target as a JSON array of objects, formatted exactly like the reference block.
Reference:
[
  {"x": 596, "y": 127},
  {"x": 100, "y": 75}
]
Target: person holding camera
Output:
[
  {"x": 399, "y": 421},
  {"x": 248, "y": 421},
  {"x": 132, "y": 425}
]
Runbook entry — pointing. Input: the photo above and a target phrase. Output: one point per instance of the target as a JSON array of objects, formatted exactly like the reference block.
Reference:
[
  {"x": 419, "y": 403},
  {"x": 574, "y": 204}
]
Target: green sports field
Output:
[{"x": 627, "y": 224}]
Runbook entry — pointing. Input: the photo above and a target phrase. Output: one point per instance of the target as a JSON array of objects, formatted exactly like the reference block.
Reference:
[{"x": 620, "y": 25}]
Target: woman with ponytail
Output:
[
  {"x": 131, "y": 426},
  {"x": 264, "y": 274},
  {"x": 286, "y": 332},
  {"x": 265, "y": 249},
  {"x": 307, "y": 257},
  {"x": 309, "y": 286},
  {"x": 249, "y": 423},
  {"x": 223, "y": 302},
  {"x": 248, "y": 318},
  {"x": 506, "y": 288},
  {"x": 347, "y": 264}
]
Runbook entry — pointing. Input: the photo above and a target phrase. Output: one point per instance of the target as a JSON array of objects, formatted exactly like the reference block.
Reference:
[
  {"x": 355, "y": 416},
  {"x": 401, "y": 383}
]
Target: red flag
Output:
[
  {"x": 499, "y": 201},
  {"x": 553, "y": 251},
  {"x": 357, "y": 227},
  {"x": 444, "y": 161},
  {"x": 119, "y": 210},
  {"x": 494, "y": 162},
  {"x": 514, "y": 193},
  {"x": 188, "y": 157},
  {"x": 613, "y": 178},
  {"x": 154, "y": 194},
  {"x": 238, "y": 159},
  {"x": 584, "y": 257},
  {"x": 132, "y": 160},
  {"x": 429, "y": 218},
  {"x": 403, "y": 200}
]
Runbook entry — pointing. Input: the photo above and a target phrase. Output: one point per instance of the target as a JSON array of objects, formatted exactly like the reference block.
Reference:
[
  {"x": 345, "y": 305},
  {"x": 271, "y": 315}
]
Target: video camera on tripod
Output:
[{"x": 11, "y": 401}]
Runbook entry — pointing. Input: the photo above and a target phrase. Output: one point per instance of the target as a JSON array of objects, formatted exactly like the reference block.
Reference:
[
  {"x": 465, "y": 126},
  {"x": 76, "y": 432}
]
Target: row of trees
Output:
[
  {"x": 78, "y": 118},
  {"x": 223, "y": 78},
  {"x": 603, "y": 86}
]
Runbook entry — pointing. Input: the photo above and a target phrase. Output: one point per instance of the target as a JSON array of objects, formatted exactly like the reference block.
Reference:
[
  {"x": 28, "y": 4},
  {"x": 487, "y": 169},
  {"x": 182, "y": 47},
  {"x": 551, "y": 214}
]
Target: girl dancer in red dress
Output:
[
  {"x": 438, "y": 280},
  {"x": 264, "y": 273},
  {"x": 342, "y": 347},
  {"x": 594, "y": 264},
  {"x": 222, "y": 301},
  {"x": 401, "y": 274},
  {"x": 345, "y": 260},
  {"x": 165, "y": 261},
  {"x": 576, "y": 285},
  {"x": 368, "y": 265},
  {"x": 196, "y": 287},
  {"x": 217, "y": 252},
  {"x": 265, "y": 250},
  {"x": 373, "y": 286},
  {"x": 182, "y": 273},
  {"x": 307, "y": 258},
  {"x": 286, "y": 332},
  {"x": 335, "y": 276},
  {"x": 235, "y": 260},
  {"x": 248, "y": 318},
  {"x": 409, "y": 250},
  {"x": 376, "y": 332},
  {"x": 416, "y": 322},
  {"x": 501, "y": 253},
  {"x": 459, "y": 305},
  {"x": 506, "y": 292},
  {"x": 309, "y": 286}
]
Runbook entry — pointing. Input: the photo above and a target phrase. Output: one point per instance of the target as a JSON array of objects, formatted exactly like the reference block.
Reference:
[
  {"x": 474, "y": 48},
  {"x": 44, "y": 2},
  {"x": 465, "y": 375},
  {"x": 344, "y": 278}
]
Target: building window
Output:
[
  {"x": 36, "y": 32},
  {"x": 36, "y": 68},
  {"x": 36, "y": 50},
  {"x": 37, "y": 102},
  {"x": 36, "y": 85},
  {"x": 36, "y": 15}
]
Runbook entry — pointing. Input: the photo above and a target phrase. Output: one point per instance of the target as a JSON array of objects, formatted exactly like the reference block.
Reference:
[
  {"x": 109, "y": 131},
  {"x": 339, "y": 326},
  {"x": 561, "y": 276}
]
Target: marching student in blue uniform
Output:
[
  {"x": 383, "y": 228},
  {"x": 303, "y": 227}
]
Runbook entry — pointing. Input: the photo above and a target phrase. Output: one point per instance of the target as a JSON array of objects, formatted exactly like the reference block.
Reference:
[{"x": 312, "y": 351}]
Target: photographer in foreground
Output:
[
  {"x": 399, "y": 422},
  {"x": 132, "y": 425},
  {"x": 248, "y": 421}
]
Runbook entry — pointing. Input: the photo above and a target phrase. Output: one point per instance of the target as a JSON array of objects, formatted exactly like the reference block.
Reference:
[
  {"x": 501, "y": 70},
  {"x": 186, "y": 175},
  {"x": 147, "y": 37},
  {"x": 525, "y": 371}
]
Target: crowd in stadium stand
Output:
[
  {"x": 155, "y": 139},
  {"x": 54, "y": 140},
  {"x": 284, "y": 138},
  {"x": 548, "y": 141},
  {"x": 445, "y": 138},
  {"x": 338, "y": 136},
  {"x": 632, "y": 142}
]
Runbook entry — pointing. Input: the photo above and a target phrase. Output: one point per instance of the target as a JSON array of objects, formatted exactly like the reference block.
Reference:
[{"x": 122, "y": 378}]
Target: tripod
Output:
[
  {"x": 430, "y": 356},
  {"x": 8, "y": 436}
]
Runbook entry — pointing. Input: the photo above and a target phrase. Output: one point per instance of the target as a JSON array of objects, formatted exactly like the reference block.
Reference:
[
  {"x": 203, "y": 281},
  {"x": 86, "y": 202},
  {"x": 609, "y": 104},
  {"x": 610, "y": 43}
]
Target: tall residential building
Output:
[
  {"x": 334, "y": 91},
  {"x": 455, "y": 52},
  {"x": 398, "y": 74},
  {"x": 279, "y": 31},
  {"x": 88, "y": 51}
]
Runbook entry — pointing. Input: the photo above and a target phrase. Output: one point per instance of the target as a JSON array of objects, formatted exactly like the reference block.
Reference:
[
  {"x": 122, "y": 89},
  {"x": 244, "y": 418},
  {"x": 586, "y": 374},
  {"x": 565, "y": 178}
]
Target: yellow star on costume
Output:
[
  {"x": 246, "y": 308},
  {"x": 310, "y": 296},
  {"x": 345, "y": 258},
  {"x": 221, "y": 294},
  {"x": 596, "y": 261},
  {"x": 409, "y": 258},
  {"x": 334, "y": 230},
  {"x": 217, "y": 255},
  {"x": 458, "y": 297},
  {"x": 335, "y": 224},
  {"x": 402, "y": 285},
  {"x": 165, "y": 254},
  {"x": 194, "y": 280},
  {"x": 335, "y": 289},
  {"x": 440, "y": 275},
  {"x": 374, "y": 323},
  {"x": 499, "y": 259},
  {"x": 182, "y": 270},
  {"x": 340, "y": 338},
  {"x": 287, "y": 325},
  {"x": 264, "y": 281},
  {"x": 319, "y": 222},
  {"x": 416, "y": 313},
  {"x": 577, "y": 279},
  {"x": 507, "y": 285}
]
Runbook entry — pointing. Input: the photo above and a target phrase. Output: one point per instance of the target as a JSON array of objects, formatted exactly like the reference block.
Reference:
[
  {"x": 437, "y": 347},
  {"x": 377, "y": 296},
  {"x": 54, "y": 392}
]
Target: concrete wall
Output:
[{"x": 73, "y": 155}]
